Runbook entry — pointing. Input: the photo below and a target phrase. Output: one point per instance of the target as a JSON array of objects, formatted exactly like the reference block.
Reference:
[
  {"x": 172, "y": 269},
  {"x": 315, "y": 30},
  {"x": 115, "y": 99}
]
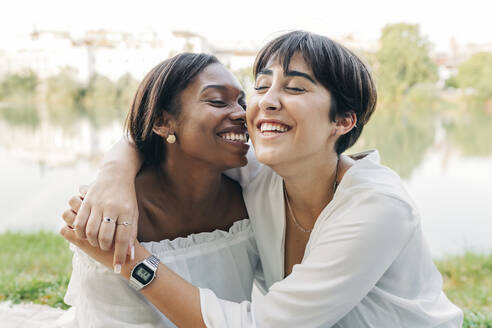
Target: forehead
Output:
[
  {"x": 216, "y": 74},
  {"x": 296, "y": 63}
]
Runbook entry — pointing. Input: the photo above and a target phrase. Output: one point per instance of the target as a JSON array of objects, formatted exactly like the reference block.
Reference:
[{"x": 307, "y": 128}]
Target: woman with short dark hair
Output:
[{"x": 339, "y": 238}]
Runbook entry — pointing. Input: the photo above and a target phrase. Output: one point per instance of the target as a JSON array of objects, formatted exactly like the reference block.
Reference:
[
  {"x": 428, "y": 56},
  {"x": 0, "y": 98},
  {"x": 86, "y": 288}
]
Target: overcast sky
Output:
[{"x": 255, "y": 20}]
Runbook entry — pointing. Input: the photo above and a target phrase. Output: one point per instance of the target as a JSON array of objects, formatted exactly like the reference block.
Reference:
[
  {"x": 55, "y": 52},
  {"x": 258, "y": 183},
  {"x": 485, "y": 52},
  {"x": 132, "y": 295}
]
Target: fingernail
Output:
[
  {"x": 132, "y": 253},
  {"x": 117, "y": 268}
]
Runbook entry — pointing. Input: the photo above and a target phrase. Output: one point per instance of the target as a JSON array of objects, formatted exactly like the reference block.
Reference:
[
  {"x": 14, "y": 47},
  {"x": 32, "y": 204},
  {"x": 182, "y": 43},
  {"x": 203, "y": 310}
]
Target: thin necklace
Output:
[{"x": 335, "y": 185}]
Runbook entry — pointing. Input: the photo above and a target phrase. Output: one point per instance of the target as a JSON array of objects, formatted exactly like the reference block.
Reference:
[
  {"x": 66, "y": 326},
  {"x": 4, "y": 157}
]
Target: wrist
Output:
[
  {"x": 140, "y": 254},
  {"x": 117, "y": 170}
]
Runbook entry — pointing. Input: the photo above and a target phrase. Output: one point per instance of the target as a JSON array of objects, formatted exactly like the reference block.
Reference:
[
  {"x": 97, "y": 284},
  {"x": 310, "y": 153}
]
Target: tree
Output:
[
  {"x": 402, "y": 61},
  {"x": 19, "y": 87},
  {"x": 245, "y": 77},
  {"x": 63, "y": 89},
  {"x": 476, "y": 73},
  {"x": 100, "y": 100},
  {"x": 101, "y": 93},
  {"x": 126, "y": 88}
]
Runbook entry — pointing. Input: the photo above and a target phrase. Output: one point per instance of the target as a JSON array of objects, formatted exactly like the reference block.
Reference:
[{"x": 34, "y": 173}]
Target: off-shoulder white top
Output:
[{"x": 222, "y": 261}]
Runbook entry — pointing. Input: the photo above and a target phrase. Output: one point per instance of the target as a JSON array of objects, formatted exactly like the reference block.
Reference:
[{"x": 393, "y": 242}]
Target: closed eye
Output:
[
  {"x": 217, "y": 103},
  {"x": 296, "y": 89}
]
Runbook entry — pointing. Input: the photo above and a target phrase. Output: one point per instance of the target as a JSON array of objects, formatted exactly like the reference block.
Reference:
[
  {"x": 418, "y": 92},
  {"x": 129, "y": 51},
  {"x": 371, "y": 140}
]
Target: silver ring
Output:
[
  {"x": 108, "y": 220},
  {"x": 125, "y": 223}
]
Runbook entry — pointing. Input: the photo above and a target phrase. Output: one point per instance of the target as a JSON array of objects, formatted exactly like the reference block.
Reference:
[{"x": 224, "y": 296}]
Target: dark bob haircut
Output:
[
  {"x": 339, "y": 70},
  {"x": 158, "y": 93}
]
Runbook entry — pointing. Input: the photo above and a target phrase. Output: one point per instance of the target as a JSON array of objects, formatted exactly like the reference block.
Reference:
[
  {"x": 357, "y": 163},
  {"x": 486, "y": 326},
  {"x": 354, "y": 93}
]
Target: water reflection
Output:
[
  {"x": 402, "y": 138},
  {"x": 470, "y": 130},
  {"x": 46, "y": 151}
]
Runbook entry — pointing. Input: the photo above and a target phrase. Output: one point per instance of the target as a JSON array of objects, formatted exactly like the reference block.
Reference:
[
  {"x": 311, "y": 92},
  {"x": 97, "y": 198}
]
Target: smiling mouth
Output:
[
  {"x": 272, "y": 128},
  {"x": 234, "y": 136}
]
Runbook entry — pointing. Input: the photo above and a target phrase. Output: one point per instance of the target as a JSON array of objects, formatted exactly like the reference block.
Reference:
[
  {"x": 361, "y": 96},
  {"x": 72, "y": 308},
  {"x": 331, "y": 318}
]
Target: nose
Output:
[
  {"x": 238, "y": 114},
  {"x": 270, "y": 100}
]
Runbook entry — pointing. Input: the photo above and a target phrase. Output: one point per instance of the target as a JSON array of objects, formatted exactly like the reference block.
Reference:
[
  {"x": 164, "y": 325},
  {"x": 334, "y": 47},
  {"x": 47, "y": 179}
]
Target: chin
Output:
[
  {"x": 267, "y": 157},
  {"x": 236, "y": 162},
  {"x": 243, "y": 161}
]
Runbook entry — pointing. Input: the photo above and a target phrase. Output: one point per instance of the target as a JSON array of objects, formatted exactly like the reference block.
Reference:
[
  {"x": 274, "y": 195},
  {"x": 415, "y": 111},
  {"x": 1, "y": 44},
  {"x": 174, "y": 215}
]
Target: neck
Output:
[
  {"x": 309, "y": 184},
  {"x": 194, "y": 185}
]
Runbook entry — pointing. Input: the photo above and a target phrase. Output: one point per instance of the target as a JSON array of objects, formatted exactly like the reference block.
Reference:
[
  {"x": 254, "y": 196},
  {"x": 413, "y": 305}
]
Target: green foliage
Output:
[
  {"x": 421, "y": 96},
  {"x": 101, "y": 92},
  {"x": 64, "y": 96},
  {"x": 34, "y": 268},
  {"x": 105, "y": 101},
  {"x": 402, "y": 61},
  {"x": 19, "y": 87},
  {"x": 63, "y": 89},
  {"x": 468, "y": 283},
  {"x": 20, "y": 115},
  {"x": 476, "y": 73},
  {"x": 245, "y": 77},
  {"x": 402, "y": 134},
  {"x": 477, "y": 320},
  {"x": 469, "y": 129},
  {"x": 126, "y": 87}
]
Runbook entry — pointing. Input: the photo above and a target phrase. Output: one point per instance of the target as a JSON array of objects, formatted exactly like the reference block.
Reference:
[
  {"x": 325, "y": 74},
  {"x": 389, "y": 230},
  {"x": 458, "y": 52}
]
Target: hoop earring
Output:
[{"x": 171, "y": 139}]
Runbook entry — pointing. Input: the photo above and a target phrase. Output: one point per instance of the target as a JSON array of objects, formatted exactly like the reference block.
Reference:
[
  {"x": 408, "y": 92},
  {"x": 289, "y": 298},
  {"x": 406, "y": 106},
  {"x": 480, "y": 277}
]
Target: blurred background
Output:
[{"x": 69, "y": 69}]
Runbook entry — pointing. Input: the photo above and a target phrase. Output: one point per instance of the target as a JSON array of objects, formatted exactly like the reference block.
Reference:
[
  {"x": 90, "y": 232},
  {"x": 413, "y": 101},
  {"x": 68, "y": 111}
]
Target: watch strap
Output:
[
  {"x": 152, "y": 261},
  {"x": 134, "y": 283}
]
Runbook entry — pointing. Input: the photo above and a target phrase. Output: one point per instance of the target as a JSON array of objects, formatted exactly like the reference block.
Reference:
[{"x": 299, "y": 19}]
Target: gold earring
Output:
[{"x": 171, "y": 138}]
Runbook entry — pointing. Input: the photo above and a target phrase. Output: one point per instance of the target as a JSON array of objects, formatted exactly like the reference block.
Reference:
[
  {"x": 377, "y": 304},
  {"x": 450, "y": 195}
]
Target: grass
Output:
[
  {"x": 36, "y": 268},
  {"x": 468, "y": 283}
]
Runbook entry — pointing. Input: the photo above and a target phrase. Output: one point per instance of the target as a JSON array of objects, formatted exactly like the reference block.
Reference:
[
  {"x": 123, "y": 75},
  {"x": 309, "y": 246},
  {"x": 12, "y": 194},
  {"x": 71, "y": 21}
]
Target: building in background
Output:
[
  {"x": 115, "y": 53},
  {"x": 109, "y": 53}
]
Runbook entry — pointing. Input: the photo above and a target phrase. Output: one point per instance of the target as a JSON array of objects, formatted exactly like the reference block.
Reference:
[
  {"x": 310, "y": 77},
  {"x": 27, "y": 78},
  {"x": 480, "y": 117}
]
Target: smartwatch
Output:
[{"x": 144, "y": 272}]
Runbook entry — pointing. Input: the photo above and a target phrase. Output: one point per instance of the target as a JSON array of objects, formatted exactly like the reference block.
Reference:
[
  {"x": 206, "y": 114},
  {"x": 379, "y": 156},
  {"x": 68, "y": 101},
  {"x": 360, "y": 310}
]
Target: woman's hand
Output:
[
  {"x": 102, "y": 256},
  {"x": 106, "y": 213}
]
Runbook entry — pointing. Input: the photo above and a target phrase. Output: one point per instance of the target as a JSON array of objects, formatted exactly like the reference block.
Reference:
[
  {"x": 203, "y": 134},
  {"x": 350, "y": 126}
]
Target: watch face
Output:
[{"x": 142, "y": 274}]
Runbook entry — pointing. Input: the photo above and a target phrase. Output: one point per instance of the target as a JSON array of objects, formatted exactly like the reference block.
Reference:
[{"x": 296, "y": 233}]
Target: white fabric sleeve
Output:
[
  {"x": 244, "y": 175},
  {"x": 100, "y": 298},
  {"x": 349, "y": 255}
]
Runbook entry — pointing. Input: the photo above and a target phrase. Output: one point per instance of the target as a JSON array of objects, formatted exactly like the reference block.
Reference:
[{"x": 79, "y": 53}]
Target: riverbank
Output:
[{"x": 36, "y": 267}]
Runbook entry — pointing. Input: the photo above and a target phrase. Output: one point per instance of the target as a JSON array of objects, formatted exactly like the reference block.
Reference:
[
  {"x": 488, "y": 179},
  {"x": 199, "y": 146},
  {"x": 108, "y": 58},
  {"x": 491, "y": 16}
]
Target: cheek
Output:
[
  {"x": 251, "y": 113},
  {"x": 195, "y": 131},
  {"x": 313, "y": 124}
]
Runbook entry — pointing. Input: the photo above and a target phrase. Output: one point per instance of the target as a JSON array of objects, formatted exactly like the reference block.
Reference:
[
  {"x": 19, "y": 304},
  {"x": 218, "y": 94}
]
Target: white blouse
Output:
[
  {"x": 222, "y": 261},
  {"x": 366, "y": 263}
]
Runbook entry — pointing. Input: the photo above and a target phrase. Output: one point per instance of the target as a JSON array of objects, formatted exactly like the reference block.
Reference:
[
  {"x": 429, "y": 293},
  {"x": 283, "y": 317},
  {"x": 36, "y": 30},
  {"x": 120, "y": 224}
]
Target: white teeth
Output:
[
  {"x": 234, "y": 136},
  {"x": 273, "y": 127}
]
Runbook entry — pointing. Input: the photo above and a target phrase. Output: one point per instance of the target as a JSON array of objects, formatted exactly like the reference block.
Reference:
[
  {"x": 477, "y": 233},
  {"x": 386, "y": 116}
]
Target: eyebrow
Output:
[
  {"x": 289, "y": 73},
  {"x": 221, "y": 87}
]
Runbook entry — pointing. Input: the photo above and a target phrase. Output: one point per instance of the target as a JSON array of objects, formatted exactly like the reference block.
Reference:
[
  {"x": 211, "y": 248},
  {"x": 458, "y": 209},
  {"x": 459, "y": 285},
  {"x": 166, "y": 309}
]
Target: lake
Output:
[{"x": 444, "y": 158}]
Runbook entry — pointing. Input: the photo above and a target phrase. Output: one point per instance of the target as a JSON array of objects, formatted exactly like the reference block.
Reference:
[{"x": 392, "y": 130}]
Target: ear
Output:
[
  {"x": 345, "y": 123},
  {"x": 165, "y": 125}
]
